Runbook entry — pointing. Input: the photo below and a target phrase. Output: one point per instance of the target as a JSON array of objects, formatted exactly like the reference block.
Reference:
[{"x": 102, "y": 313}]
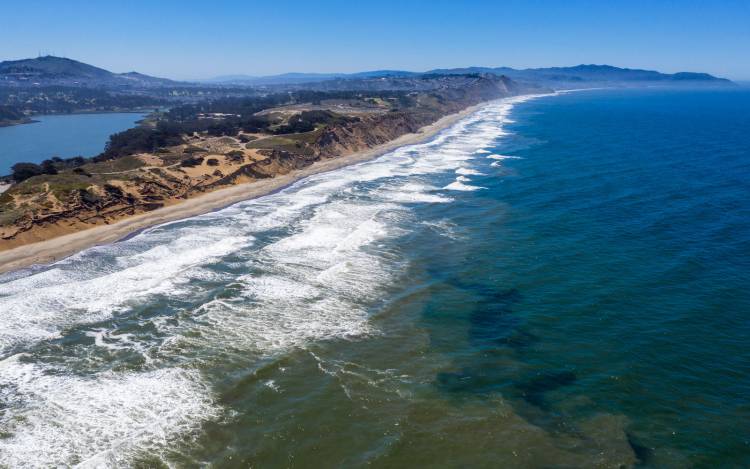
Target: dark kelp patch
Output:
[{"x": 533, "y": 391}]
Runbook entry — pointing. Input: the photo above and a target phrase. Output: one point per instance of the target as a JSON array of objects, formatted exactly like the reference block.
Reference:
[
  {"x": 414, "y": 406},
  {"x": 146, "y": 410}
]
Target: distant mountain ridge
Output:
[
  {"x": 586, "y": 75},
  {"x": 591, "y": 74},
  {"x": 299, "y": 78},
  {"x": 51, "y": 70}
]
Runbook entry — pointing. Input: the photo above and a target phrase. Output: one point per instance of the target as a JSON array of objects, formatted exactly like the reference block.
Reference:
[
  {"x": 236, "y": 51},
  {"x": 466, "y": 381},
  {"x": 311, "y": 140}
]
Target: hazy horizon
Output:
[{"x": 188, "y": 41}]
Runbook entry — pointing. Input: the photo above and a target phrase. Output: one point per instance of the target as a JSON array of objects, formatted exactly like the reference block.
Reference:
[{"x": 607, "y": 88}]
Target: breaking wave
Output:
[{"x": 258, "y": 278}]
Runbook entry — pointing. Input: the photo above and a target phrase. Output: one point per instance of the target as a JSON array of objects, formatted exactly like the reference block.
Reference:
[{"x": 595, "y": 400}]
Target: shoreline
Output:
[
  {"x": 56, "y": 249},
  {"x": 31, "y": 119},
  {"x": 17, "y": 122}
]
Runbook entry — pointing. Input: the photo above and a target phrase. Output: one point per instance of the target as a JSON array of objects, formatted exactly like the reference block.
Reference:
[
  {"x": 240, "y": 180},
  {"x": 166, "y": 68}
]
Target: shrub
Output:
[
  {"x": 75, "y": 161},
  {"x": 192, "y": 161},
  {"x": 88, "y": 197},
  {"x": 23, "y": 171},
  {"x": 48, "y": 167},
  {"x": 113, "y": 190},
  {"x": 235, "y": 156}
]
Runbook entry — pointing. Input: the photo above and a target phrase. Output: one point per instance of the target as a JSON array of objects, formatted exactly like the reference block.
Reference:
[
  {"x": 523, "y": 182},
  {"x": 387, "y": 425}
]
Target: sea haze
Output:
[{"x": 553, "y": 281}]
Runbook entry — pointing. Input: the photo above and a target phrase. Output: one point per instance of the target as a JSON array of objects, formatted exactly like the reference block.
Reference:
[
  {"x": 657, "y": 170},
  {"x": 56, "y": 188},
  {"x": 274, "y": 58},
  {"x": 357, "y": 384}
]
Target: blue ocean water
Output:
[
  {"x": 65, "y": 136},
  {"x": 552, "y": 282},
  {"x": 620, "y": 245}
]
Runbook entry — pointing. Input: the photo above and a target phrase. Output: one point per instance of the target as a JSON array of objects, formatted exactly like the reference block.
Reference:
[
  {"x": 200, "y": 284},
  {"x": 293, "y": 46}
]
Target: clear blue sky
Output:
[{"x": 190, "y": 39}]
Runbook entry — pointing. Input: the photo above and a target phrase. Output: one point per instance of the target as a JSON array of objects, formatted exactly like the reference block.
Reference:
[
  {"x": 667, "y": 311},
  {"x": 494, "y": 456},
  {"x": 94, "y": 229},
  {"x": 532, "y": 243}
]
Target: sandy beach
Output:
[{"x": 48, "y": 251}]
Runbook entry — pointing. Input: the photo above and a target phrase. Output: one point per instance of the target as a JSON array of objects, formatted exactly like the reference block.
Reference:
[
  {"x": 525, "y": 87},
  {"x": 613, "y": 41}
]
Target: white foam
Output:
[
  {"x": 94, "y": 292},
  {"x": 411, "y": 192},
  {"x": 107, "y": 339},
  {"x": 312, "y": 285},
  {"x": 468, "y": 172},
  {"x": 460, "y": 186},
  {"x": 59, "y": 419},
  {"x": 322, "y": 266},
  {"x": 271, "y": 384},
  {"x": 416, "y": 197},
  {"x": 178, "y": 252},
  {"x": 503, "y": 157}
]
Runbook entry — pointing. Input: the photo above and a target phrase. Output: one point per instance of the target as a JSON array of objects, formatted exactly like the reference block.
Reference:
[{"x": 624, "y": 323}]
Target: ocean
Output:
[
  {"x": 555, "y": 281},
  {"x": 64, "y": 135}
]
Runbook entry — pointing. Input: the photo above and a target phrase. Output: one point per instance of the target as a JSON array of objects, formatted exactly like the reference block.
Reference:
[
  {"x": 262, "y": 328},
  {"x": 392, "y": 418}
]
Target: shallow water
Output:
[
  {"x": 563, "y": 289},
  {"x": 65, "y": 136}
]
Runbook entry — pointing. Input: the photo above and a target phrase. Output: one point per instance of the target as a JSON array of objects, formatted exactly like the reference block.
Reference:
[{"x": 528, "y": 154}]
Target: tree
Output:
[
  {"x": 48, "y": 167},
  {"x": 23, "y": 171}
]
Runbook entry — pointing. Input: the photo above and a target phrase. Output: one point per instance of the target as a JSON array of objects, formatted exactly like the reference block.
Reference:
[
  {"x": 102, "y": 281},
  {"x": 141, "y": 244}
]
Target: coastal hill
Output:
[
  {"x": 49, "y": 70},
  {"x": 56, "y": 85}
]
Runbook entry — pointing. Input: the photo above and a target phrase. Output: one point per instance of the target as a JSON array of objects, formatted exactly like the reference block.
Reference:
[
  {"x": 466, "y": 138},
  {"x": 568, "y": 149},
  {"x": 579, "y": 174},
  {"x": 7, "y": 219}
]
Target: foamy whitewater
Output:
[{"x": 147, "y": 315}]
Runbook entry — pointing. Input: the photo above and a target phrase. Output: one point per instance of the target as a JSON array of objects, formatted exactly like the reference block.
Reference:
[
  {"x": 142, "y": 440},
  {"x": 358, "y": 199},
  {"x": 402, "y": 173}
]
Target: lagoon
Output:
[{"x": 61, "y": 135}]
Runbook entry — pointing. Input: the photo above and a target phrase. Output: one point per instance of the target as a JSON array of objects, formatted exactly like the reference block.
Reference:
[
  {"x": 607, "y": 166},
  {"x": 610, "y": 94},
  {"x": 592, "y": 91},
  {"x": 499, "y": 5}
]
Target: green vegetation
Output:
[
  {"x": 271, "y": 142},
  {"x": 9, "y": 113},
  {"x": 127, "y": 163},
  {"x": 139, "y": 140},
  {"x": 293, "y": 143},
  {"x": 193, "y": 149},
  {"x": 7, "y": 216},
  {"x": 5, "y": 198},
  {"x": 307, "y": 121},
  {"x": 61, "y": 185},
  {"x": 24, "y": 171},
  {"x": 237, "y": 114}
]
